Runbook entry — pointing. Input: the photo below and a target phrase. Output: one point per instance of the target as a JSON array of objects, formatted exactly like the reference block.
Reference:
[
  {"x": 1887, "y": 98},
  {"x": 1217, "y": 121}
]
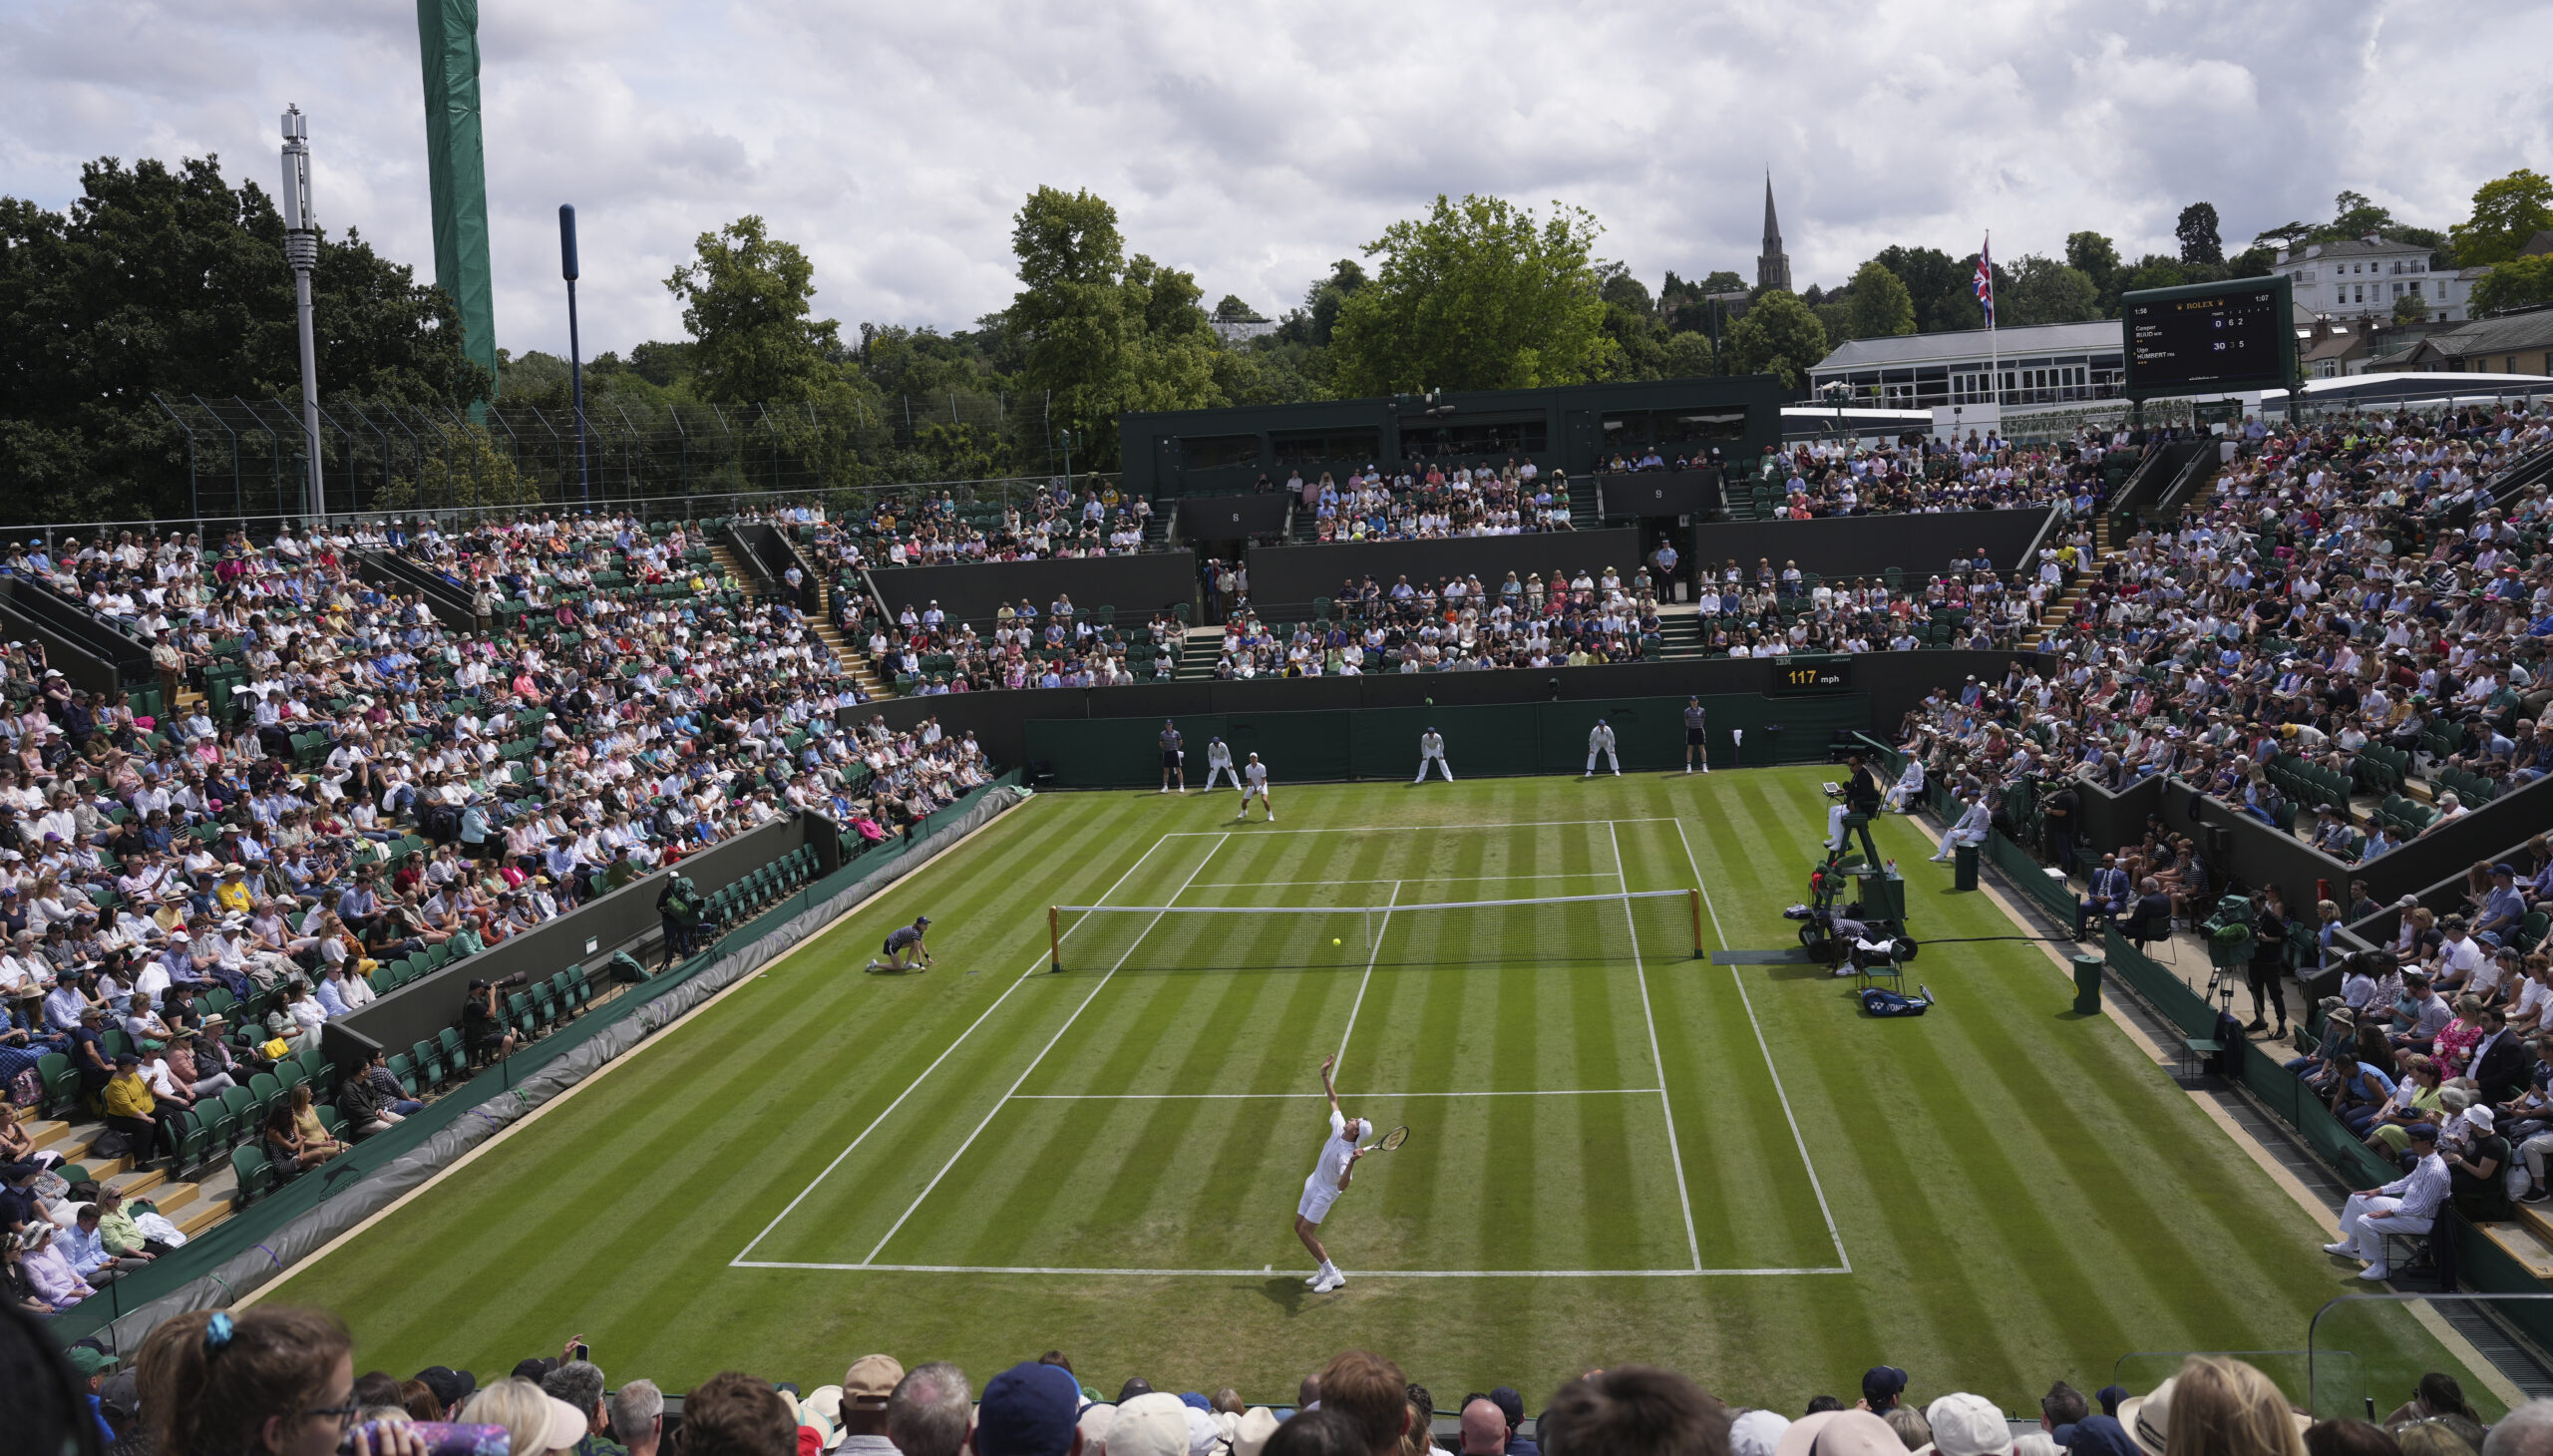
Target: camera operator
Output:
[{"x": 483, "y": 1027}]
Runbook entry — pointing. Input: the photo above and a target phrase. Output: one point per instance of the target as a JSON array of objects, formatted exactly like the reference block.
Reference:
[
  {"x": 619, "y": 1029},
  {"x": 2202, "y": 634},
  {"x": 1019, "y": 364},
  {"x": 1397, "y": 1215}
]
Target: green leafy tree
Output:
[
  {"x": 662, "y": 364},
  {"x": 2411, "y": 308},
  {"x": 2096, "y": 257},
  {"x": 1477, "y": 294},
  {"x": 2044, "y": 291},
  {"x": 2507, "y": 213},
  {"x": 746, "y": 299},
  {"x": 1778, "y": 336},
  {"x": 2515, "y": 284},
  {"x": 1171, "y": 346},
  {"x": 2288, "y": 234},
  {"x": 167, "y": 279},
  {"x": 1070, "y": 310},
  {"x": 1318, "y": 318},
  {"x": 2155, "y": 271},
  {"x": 1938, "y": 283},
  {"x": 2354, "y": 216},
  {"x": 469, "y": 473},
  {"x": 1233, "y": 310},
  {"x": 1635, "y": 339},
  {"x": 2252, "y": 263},
  {"x": 2197, "y": 231},
  {"x": 1687, "y": 356},
  {"x": 1100, "y": 333},
  {"x": 1878, "y": 305}
]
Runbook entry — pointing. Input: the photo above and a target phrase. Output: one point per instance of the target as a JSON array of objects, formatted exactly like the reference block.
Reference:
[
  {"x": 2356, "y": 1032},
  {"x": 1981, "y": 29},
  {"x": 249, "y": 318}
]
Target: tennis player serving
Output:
[{"x": 1330, "y": 1176}]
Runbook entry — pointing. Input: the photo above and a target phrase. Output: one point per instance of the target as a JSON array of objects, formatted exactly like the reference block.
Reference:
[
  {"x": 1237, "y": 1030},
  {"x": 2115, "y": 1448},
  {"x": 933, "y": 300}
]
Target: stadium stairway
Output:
[
  {"x": 2528, "y": 1238},
  {"x": 193, "y": 1207},
  {"x": 1200, "y": 649},
  {"x": 2103, "y": 548},
  {"x": 864, "y": 673},
  {"x": 1680, "y": 633}
]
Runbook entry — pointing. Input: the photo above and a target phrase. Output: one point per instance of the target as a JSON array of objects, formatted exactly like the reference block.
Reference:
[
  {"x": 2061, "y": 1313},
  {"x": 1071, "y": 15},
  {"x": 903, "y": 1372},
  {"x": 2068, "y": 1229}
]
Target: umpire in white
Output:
[{"x": 1431, "y": 749}]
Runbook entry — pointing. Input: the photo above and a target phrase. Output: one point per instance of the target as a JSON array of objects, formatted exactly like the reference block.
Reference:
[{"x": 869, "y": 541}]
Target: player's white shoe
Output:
[
  {"x": 1272, "y": 816},
  {"x": 1319, "y": 1274},
  {"x": 1333, "y": 1281}
]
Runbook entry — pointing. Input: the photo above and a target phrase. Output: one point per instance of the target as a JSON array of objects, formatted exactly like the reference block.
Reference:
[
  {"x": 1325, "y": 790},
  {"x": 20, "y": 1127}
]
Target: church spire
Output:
[{"x": 1773, "y": 266}]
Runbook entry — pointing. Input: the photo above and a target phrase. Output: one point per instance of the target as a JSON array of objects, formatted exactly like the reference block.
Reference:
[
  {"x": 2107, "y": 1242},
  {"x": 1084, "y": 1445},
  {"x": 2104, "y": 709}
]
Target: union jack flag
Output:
[{"x": 1985, "y": 279}]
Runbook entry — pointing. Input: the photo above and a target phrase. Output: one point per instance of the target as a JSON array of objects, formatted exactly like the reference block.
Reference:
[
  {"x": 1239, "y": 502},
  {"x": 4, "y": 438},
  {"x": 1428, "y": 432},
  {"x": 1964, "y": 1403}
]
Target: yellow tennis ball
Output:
[{"x": 1333, "y": 940}]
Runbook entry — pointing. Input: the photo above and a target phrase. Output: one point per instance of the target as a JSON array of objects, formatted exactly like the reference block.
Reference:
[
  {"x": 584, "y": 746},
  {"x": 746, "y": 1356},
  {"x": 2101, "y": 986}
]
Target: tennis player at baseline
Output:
[
  {"x": 1329, "y": 1178},
  {"x": 1253, "y": 785}
]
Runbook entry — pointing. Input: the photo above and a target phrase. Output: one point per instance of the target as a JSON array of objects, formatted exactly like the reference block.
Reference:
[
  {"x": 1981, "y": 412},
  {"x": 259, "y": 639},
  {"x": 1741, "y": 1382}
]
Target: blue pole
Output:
[{"x": 575, "y": 355}]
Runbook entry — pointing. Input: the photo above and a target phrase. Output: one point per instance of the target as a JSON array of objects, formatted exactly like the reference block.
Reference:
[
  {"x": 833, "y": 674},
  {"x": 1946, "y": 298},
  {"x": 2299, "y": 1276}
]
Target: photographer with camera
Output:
[{"x": 483, "y": 1027}]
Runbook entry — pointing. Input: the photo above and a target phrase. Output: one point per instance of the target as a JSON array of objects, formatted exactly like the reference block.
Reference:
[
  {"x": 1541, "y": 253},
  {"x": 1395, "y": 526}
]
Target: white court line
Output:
[
  {"x": 1748, "y": 1002},
  {"x": 1371, "y": 954},
  {"x": 1404, "y": 879},
  {"x": 1317, "y": 1096},
  {"x": 1041, "y": 1057},
  {"x": 1261, "y": 1274},
  {"x": 1430, "y": 828},
  {"x": 1035, "y": 966},
  {"x": 1674, "y": 1154}
]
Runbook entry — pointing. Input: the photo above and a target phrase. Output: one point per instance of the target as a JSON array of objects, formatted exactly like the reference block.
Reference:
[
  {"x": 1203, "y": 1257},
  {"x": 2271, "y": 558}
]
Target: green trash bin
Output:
[
  {"x": 1963, "y": 867},
  {"x": 2087, "y": 985}
]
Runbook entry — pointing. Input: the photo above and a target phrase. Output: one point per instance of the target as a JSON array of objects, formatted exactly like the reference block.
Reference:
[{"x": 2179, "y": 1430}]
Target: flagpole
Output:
[{"x": 1994, "y": 353}]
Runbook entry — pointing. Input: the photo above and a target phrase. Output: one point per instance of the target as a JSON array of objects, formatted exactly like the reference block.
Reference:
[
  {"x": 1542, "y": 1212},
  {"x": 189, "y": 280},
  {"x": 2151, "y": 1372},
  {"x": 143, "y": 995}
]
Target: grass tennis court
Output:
[{"x": 1618, "y": 1151}]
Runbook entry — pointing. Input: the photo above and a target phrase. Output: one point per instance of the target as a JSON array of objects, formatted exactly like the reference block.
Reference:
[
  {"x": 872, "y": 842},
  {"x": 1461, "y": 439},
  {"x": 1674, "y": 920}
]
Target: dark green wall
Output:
[
  {"x": 1571, "y": 419},
  {"x": 1481, "y": 740}
]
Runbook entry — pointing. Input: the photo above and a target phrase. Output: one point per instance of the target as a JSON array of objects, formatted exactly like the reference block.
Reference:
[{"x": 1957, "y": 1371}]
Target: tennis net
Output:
[{"x": 1642, "y": 925}]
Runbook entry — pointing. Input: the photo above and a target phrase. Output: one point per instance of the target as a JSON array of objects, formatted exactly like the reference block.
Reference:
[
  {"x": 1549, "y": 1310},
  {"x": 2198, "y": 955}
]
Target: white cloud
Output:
[{"x": 1256, "y": 142}]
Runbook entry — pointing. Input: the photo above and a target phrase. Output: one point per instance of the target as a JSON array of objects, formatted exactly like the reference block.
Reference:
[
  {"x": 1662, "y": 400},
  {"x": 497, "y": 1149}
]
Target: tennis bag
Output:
[{"x": 1881, "y": 1002}]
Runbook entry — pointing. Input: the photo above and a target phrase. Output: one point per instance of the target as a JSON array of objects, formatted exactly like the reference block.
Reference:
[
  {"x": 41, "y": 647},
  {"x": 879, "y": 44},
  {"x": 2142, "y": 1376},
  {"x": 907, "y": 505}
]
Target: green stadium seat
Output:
[{"x": 257, "y": 1175}]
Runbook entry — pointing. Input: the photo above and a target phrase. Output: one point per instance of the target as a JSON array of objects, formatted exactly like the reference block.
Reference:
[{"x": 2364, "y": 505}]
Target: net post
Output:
[
  {"x": 1693, "y": 898},
  {"x": 1054, "y": 939}
]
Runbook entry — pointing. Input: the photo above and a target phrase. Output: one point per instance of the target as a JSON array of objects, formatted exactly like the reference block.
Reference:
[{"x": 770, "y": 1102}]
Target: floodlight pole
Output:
[
  {"x": 576, "y": 356},
  {"x": 301, "y": 250}
]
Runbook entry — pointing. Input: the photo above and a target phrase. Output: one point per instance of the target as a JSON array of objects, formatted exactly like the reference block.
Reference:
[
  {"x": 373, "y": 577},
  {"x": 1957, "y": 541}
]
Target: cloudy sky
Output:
[{"x": 1255, "y": 142}]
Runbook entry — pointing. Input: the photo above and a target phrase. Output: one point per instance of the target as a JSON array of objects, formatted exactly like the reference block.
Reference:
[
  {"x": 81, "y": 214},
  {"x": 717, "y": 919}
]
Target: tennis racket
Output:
[{"x": 1390, "y": 1142}]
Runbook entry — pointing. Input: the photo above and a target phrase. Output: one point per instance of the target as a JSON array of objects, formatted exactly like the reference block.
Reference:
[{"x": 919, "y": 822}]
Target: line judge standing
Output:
[
  {"x": 1218, "y": 760},
  {"x": 1431, "y": 749},
  {"x": 1173, "y": 762},
  {"x": 1600, "y": 739}
]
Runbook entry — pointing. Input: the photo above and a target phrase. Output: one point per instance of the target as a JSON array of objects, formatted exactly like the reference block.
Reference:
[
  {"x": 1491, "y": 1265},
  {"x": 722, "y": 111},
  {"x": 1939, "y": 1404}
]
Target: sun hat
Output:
[
  {"x": 1153, "y": 1424},
  {"x": 2148, "y": 1418},
  {"x": 1966, "y": 1425},
  {"x": 1843, "y": 1433}
]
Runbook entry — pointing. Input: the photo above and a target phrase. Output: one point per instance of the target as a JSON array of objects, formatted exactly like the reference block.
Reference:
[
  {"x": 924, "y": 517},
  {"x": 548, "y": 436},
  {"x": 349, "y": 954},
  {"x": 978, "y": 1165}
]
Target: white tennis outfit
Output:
[
  {"x": 1254, "y": 782},
  {"x": 1600, "y": 739},
  {"x": 1321, "y": 1188},
  {"x": 1218, "y": 760},
  {"x": 1431, "y": 748}
]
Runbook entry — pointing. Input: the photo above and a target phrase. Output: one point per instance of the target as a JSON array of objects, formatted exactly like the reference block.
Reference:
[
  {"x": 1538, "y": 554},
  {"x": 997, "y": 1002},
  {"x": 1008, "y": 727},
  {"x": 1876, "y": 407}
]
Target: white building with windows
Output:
[
  {"x": 2045, "y": 364},
  {"x": 2367, "y": 277}
]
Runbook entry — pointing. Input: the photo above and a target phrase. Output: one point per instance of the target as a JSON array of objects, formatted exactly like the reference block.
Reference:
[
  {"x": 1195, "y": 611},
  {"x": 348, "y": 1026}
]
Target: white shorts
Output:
[
  {"x": 1246, "y": 790},
  {"x": 1317, "y": 1196}
]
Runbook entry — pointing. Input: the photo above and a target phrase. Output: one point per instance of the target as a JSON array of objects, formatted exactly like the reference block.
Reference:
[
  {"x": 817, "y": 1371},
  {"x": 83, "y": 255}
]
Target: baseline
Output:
[
  {"x": 1427, "y": 828},
  {"x": 1361, "y": 1273}
]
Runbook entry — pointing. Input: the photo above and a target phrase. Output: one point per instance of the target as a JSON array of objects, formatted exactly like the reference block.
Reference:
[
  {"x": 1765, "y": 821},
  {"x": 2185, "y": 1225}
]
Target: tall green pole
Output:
[{"x": 457, "y": 170}]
